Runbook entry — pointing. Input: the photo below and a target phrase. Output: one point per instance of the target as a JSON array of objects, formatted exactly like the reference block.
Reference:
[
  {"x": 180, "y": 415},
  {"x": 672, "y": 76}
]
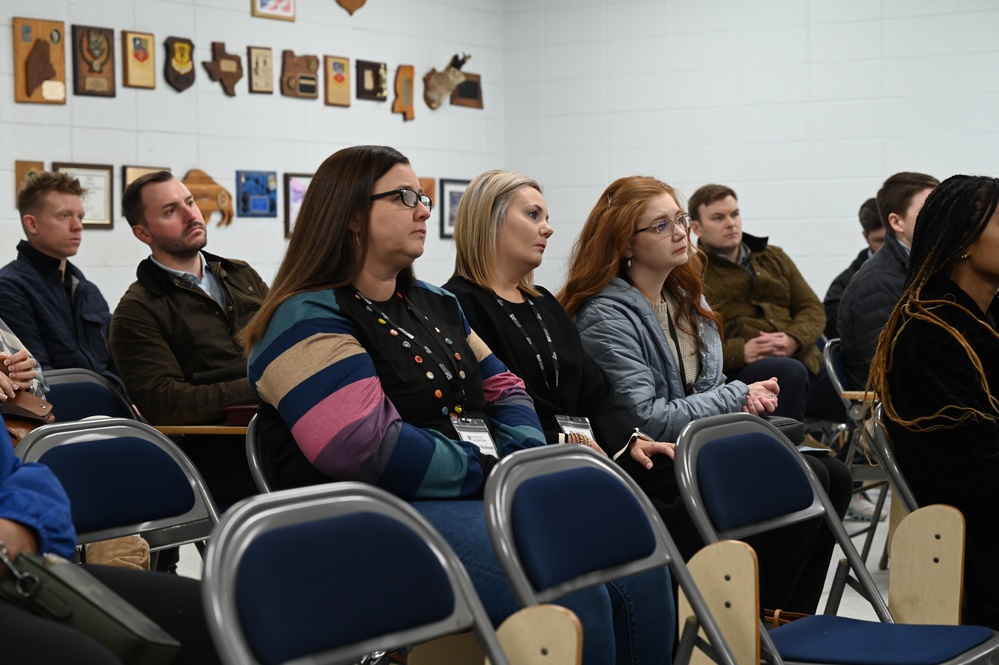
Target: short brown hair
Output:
[
  {"x": 37, "y": 185},
  {"x": 706, "y": 195},
  {"x": 897, "y": 192},
  {"x": 131, "y": 199}
]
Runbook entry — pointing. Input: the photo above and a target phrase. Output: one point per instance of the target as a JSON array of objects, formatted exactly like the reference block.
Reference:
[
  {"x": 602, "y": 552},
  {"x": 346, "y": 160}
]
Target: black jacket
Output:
[
  {"x": 61, "y": 331},
  {"x": 835, "y": 293},
  {"x": 866, "y": 305}
]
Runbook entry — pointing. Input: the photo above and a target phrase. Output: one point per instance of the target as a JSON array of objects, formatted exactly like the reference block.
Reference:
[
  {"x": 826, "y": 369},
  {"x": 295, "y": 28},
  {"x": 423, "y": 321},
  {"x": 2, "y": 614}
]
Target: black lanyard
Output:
[
  {"x": 537, "y": 352},
  {"x": 453, "y": 358}
]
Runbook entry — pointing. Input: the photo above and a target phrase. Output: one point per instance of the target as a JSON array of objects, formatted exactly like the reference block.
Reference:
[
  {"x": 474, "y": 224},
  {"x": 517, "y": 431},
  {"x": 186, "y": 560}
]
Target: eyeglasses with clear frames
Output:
[
  {"x": 408, "y": 197},
  {"x": 666, "y": 225}
]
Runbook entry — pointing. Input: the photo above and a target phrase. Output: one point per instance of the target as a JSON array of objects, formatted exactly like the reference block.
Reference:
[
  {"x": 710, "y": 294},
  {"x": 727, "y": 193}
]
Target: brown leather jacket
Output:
[
  {"x": 778, "y": 299},
  {"x": 176, "y": 348}
]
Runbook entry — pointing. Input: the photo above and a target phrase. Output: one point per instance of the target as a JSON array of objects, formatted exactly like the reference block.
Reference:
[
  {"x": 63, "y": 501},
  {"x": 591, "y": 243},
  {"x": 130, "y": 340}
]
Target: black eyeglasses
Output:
[
  {"x": 408, "y": 197},
  {"x": 666, "y": 225}
]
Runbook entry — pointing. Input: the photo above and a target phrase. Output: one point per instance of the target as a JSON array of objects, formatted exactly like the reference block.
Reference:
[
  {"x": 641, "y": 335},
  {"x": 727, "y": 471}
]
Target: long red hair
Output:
[{"x": 598, "y": 255}]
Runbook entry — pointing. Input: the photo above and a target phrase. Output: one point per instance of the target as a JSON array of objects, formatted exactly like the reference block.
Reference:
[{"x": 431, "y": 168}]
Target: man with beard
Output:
[{"x": 175, "y": 331}]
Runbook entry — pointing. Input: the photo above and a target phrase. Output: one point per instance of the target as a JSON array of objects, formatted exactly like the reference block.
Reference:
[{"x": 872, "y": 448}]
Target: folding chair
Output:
[
  {"x": 78, "y": 393},
  {"x": 124, "y": 478},
  {"x": 261, "y": 467},
  {"x": 330, "y": 574},
  {"x": 857, "y": 407},
  {"x": 886, "y": 460},
  {"x": 728, "y": 468},
  {"x": 564, "y": 518}
]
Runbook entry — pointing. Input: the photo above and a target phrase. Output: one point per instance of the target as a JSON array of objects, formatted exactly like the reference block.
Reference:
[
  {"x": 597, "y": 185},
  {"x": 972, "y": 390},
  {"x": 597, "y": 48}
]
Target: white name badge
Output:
[
  {"x": 575, "y": 425},
  {"x": 474, "y": 431}
]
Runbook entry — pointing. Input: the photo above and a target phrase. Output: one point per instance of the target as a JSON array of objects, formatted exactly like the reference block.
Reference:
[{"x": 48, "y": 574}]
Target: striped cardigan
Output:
[{"x": 311, "y": 366}]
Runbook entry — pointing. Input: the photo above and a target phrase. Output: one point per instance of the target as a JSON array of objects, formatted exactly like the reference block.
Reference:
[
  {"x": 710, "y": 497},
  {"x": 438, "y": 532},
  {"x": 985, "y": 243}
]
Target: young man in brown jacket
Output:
[
  {"x": 772, "y": 317},
  {"x": 175, "y": 329}
]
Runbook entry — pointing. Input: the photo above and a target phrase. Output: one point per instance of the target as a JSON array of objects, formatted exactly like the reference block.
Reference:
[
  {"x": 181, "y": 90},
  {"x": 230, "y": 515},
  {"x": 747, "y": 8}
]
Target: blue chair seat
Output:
[{"x": 843, "y": 641}]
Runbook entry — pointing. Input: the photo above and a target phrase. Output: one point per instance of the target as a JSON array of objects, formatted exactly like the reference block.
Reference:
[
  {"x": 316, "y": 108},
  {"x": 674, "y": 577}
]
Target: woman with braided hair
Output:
[{"x": 937, "y": 373}]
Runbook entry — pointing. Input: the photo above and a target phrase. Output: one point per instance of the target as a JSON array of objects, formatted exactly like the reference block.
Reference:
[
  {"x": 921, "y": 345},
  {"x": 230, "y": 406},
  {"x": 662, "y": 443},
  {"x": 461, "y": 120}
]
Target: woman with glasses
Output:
[
  {"x": 635, "y": 292},
  {"x": 367, "y": 374},
  {"x": 937, "y": 372}
]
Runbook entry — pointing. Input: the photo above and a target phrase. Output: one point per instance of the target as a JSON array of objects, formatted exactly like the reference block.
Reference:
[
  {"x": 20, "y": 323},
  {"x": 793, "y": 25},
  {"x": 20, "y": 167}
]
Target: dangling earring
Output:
[
  {"x": 627, "y": 263},
  {"x": 357, "y": 239}
]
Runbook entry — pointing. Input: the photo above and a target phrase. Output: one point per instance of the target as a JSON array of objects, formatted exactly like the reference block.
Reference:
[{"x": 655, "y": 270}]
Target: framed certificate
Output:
[{"x": 98, "y": 201}]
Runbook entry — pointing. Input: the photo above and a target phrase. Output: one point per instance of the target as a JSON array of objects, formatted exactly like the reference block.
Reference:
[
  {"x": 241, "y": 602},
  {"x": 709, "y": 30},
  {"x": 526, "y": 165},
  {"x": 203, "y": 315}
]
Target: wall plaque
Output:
[
  {"x": 39, "y": 61},
  {"x": 256, "y": 193},
  {"x": 138, "y": 60},
  {"x": 468, "y": 92},
  {"x": 337, "y": 80},
  {"x": 179, "y": 70},
  {"x": 93, "y": 61},
  {"x": 351, "y": 5},
  {"x": 225, "y": 68},
  {"x": 261, "y": 64},
  {"x": 404, "y": 92},
  {"x": 299, "y": 75},
  {"x": 22, "y": 169},
  {"x": 209, "y": 195},
  {"x": 372, "y": 80}
]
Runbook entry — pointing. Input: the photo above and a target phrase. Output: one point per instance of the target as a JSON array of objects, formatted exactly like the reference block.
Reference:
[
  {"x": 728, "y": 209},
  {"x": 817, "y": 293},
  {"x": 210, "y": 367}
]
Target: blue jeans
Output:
[{"x": 630, "y": 621}]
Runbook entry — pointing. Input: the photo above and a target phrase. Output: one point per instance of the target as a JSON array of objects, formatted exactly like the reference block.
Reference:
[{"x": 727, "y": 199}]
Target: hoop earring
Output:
[{"x": 357, "y": 239}]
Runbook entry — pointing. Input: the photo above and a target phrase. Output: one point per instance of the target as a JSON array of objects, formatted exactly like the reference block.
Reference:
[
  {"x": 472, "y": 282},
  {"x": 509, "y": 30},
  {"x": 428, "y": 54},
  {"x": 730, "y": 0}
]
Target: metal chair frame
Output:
[
  {"x": 192, "y": 526},
  {"x": 258, "y": 515},
  {"x": 501, "y": 488}
]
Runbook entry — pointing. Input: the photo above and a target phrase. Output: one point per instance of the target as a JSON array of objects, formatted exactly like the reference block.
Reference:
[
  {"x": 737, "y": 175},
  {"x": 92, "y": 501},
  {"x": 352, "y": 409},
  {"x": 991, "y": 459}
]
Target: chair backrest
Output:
[
  {"x": 886, "y": 459},
  {"x": 333, "y": 571},
  {"x": 123, "y": 478},
  {"x": 261, "y": 467},
  {"x": 564, "y": 518},
  {"x": 740, "y": 476},
  {"x": 832, "y": 354},
  {"x": 927, "y": 567},
  {"x": 78, "y": 393}
]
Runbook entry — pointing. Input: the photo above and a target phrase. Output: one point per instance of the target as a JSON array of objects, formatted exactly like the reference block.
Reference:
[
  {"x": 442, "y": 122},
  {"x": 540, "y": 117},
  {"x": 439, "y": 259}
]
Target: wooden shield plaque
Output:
[
  {"x": 39, "y": 61},
  {"x": 225, "y": 68},
  {"x": 138, "y": 59},
  {"x": 337, "y": 80},
  {"x": 22, "y": 169},
  {"x": 404, "y": 92},
  {"x": 179, "y": 69},
  {"x": 93, "y": 61},
  {"x": 299, "y": 75}
]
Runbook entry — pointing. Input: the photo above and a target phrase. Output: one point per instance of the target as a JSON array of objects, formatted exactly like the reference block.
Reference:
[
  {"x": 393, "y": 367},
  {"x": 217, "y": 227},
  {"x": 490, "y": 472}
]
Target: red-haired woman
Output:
[{"x": 634, "y": 290}]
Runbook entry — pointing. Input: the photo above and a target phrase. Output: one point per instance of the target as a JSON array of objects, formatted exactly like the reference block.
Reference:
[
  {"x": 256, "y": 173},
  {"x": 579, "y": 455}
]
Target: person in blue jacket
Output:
[{"x": 35, "y": 517}]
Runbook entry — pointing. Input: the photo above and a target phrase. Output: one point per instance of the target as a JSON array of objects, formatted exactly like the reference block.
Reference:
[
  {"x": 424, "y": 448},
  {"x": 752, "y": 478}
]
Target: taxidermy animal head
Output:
[{"x": 438, "y": 85}]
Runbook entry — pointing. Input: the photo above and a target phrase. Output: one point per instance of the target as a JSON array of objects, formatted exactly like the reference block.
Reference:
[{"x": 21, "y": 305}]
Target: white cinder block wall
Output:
[{"x": 804, "y": 107}]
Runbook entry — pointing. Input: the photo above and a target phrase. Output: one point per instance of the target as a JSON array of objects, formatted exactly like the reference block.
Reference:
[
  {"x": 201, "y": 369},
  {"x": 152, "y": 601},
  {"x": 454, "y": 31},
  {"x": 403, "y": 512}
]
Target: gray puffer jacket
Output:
[{"x": 623, "y": 335}]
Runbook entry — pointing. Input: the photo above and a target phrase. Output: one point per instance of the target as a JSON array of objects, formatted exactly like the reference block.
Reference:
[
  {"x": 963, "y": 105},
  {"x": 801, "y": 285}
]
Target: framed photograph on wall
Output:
[
  {"x": 98, "y": 201},
  {"x": 256, "y": 194},
  {"x": 295, "y": 186},
  {"x": 451, "y": 193},
  {"x": 283, "y": 10}
]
